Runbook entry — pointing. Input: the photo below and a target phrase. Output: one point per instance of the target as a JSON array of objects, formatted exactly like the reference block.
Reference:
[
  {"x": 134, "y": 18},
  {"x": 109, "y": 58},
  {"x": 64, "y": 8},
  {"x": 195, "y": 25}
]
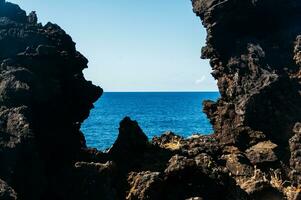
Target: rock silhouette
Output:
[{"x": 43, "y": 100}]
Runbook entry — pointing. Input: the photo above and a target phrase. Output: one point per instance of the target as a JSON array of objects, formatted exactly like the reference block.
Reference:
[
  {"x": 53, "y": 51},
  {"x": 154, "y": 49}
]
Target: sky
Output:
[{"x": 133, "y": 45}]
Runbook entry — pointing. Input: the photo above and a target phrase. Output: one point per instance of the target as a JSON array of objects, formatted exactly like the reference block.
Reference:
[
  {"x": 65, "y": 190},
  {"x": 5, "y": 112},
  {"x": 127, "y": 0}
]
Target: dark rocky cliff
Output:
[
  {"x": 43, "y": 100},
  {"x": 254, "y": 47}
]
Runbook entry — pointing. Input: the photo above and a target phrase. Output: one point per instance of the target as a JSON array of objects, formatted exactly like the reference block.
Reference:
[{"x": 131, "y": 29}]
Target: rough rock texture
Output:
[
  {"x": 254, "y": 51},
  {"x": 43, "y": 100},
  {"x": 254, "y": 47},
  {"x": 7, "y": 192}
]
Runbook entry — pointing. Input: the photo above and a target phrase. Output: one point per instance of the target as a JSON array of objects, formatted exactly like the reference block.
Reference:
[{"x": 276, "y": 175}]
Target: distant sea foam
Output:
[{"x": 156, "y": 112}]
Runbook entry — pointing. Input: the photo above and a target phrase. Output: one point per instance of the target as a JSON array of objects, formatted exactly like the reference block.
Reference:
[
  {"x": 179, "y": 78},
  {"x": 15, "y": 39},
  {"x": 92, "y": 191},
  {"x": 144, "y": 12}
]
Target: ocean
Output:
[{"x": 156, "y": 113}]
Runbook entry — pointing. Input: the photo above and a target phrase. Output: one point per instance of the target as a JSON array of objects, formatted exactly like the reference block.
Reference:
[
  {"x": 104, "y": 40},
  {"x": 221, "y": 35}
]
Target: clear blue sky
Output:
[{"x": 133, "y": 45}]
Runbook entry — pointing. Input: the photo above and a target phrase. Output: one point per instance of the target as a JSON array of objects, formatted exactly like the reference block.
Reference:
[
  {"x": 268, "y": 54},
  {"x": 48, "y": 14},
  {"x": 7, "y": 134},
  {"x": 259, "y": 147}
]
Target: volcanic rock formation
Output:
[
  {"x": 254, "y": 47},
  {"x": 43, "y": 100},
  {"x": 254, "y": 51}
]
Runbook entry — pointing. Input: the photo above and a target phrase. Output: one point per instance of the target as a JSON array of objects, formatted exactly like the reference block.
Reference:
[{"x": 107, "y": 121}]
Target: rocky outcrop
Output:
[
  {"x": 43, "y": 100},
  {"x": 254, "y": 57},
  {"x": 254, "y": 47},
  {"x": 132, "y": 140}
]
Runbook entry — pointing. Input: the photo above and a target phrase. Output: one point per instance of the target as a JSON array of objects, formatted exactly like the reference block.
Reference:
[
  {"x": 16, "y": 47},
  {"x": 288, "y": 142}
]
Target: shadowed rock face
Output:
[
  {"x": 253, "y": 51},
  {"x": 43, "y": 100}
]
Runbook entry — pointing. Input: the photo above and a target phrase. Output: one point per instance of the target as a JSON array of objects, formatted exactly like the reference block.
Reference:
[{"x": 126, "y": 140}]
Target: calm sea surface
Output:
[{"x": 156, "y": 112}]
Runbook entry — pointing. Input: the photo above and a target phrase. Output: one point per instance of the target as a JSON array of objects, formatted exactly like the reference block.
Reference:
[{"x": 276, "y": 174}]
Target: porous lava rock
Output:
[
  {"x": 254, "y": 57},
  {"x": 254, "y": 52},
  {"x": 44, "y": 98}
]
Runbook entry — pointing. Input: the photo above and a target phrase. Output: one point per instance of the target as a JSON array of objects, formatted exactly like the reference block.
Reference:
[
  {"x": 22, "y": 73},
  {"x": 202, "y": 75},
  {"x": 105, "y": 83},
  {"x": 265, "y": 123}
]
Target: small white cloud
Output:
[{"x": 201, "y": 80}]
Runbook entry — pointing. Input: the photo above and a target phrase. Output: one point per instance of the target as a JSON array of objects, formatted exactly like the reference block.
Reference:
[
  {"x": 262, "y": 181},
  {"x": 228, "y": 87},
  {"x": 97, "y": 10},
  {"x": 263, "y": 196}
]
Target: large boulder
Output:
[
  {"x": 95, "y": 181},
  {"x": 130, "y": 143},
  {"x": 145, "y": 185},
  {"x": 262, "y": 153}
]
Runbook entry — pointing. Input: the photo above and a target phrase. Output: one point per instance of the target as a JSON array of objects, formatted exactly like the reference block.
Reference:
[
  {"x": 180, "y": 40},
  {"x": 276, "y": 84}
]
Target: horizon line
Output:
[{"x": 164, "y": 91}]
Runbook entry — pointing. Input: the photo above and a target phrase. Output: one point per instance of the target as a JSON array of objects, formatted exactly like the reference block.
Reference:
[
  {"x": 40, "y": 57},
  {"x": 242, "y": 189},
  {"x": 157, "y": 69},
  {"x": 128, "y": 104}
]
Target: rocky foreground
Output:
[{"x": 254, "y": 47}]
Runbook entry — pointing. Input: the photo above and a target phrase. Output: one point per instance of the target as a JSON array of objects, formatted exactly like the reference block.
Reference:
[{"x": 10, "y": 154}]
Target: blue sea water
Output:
[{"x": 156, "y": 112}]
